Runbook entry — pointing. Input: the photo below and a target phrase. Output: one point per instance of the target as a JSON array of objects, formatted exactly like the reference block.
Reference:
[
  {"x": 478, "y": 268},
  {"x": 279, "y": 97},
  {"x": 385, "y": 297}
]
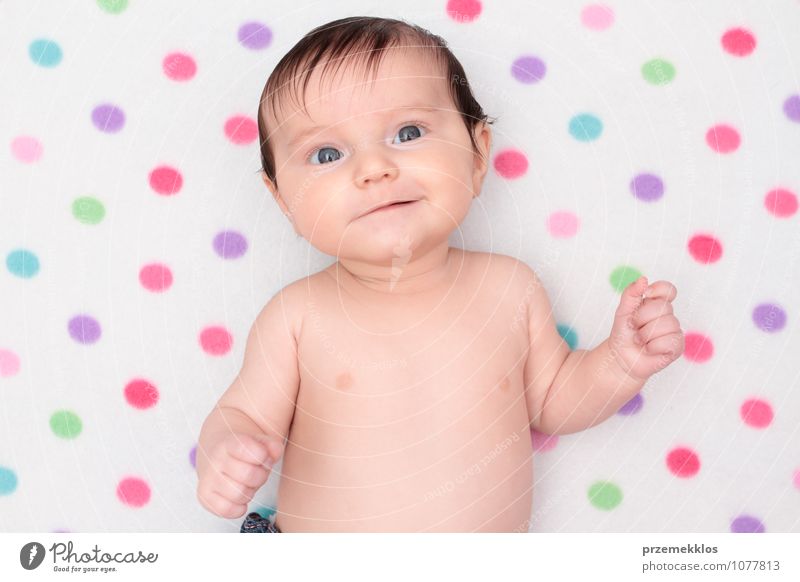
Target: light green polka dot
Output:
[
  {"x": 623, "y": 276},
  {"x": 658, "y": 72},
  {"x": 113, "y": 6},
  {"x": 605, "y": 495},
  {"x": 88, "y": 210},
  {"x": 66, "y": 424}
]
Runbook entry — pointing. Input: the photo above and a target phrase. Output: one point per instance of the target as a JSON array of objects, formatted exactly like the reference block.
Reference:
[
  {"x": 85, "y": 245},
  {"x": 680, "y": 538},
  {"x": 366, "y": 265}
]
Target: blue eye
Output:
[
  {"x": 332, "y": 154},
  {"x": 328, "y": 156},
  {"x": 411, "y": 133}
]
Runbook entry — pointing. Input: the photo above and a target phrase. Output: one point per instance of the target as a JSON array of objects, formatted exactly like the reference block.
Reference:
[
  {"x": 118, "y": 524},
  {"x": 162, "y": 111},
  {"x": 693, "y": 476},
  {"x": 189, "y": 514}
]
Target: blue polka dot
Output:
[
  {"x": 22, "y": 263},
  {"x": 570, "y": 335},
  {"x": 585, "y": 127},
  {"x": 8, "y": 481},
  {"x": 45, "y": 53}
]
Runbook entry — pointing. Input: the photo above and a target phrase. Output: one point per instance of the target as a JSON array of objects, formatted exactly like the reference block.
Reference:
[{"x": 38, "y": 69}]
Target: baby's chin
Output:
[{"x": 390, "y": 249}]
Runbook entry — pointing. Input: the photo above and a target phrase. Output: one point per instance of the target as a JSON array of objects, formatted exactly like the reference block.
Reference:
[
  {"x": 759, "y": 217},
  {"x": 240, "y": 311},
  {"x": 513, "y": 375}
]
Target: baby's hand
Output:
[
  {"x": 646, "y": 336},
  {"x": 235, "y": 469}
]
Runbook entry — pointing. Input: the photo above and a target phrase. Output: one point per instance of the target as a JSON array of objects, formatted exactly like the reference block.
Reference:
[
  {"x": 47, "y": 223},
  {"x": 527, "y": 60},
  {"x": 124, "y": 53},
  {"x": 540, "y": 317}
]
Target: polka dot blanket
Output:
[{"x": 138, "y": 242}]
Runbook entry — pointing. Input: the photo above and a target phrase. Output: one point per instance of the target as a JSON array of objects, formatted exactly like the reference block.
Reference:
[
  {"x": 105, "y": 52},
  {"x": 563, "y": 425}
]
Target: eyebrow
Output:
[{"x": 308, "y": 131}]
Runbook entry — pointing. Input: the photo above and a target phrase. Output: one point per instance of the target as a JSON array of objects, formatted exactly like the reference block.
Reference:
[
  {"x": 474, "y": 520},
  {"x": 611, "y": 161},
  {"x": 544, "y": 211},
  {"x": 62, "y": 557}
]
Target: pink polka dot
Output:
[
  {"x": 463, "y": 10},
  {"x": 683, "y": 462},
  {"x": 797, "y": 479},
  {"x": 166, "y": 180},
  {"x": 179, "y": 66},
  {"x": 723, "y": 138},
  {"x": 756, "y": 413},
  {"x": 26, "y": 149},
  {"x": 780, "y": 202},
  {"x": 562, "y": 224},
  {"x": 739, "y": 42},
  {"x": 241, "y": 129},
  {"x": 597, "y": 16},
  {"x": 155, "y": 277},
  {"x": 511, "y": 163},
  {"x": 705, "y": 248},
  {"x": 543, "y": 442},
  {"x": 697, "y": 347},
  {"x": 9, "y": 363},
  {"x": 133, "y": 491},
  {"x": 141, "y": 394},
  {"x": 216, "y": 341}
]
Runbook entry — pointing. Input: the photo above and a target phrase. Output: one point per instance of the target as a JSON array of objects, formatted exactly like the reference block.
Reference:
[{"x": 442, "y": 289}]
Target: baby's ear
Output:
[
  {"x": 483, "y": 137},
  {"x": 273, "y": 188}
]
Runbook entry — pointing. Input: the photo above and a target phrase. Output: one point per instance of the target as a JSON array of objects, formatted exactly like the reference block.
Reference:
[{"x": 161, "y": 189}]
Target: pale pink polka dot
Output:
[
  {"x": 9, "y": 363},
  {"x": 597, "y": 16},
  {"x": 562, "y": 224},
  {"x": 216, "y": 340},
  {"x": 26, "y": 149},
  {"x": 797, "y": 479},
  {"x": 723, "y": 138},
  {"x": 756, "y": 413},
  {"x": 241, "y": 129},
  {"x": 511, "y": 163},
  {"x": 133, "y": 492},
  {"x": 543, "y": 442},
  {"x": 155, "y": 277},
  {"x": 179, "y": 66}
]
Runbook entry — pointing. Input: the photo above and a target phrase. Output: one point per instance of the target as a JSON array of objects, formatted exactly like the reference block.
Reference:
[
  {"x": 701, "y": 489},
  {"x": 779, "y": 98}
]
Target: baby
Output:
[{"x": 400, "y": 384}]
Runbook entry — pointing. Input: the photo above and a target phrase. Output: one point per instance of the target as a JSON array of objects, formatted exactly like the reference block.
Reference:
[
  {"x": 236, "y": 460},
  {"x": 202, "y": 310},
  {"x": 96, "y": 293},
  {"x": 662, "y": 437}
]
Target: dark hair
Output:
[{"x": 361, "y": 37}]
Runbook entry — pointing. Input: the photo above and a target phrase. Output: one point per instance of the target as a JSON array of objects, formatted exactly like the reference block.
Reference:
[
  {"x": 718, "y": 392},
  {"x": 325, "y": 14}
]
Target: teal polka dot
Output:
[
  {"x": 585, "y": 127},
  {"x": 45, "y": 53},
  {"x": 8, "y": 481},
  {"x": 22, "y": 263},
  {"x": 569, "y": 335}
]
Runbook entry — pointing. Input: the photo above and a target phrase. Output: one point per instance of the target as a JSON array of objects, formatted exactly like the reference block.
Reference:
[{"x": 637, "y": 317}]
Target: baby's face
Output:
[{"x": 373, "y": 144}]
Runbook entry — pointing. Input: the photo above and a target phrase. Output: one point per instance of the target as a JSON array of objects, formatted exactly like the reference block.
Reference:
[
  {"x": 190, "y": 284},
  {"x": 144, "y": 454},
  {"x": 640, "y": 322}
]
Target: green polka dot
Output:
[
  {"x": 113, "y": 6},
  {"x": 45, "y": 52},
  {"x": 8, "y": 481},
  {"x": 66, "y": 424},
  {"x": 605, "y": 495},
  {"x": 623, "y": 276},
  {"x": 569, "y": 335},
  {"x": 22, "y": 263},
  {"x": 658, "y": 72},
  {"x": 88, "y": 210}
]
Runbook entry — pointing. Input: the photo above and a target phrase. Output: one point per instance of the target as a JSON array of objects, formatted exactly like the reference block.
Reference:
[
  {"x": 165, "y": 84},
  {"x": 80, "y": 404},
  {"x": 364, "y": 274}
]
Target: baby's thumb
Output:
[
  {"x": 631, "y": 297},
  {"x": 274, "y": 448}
]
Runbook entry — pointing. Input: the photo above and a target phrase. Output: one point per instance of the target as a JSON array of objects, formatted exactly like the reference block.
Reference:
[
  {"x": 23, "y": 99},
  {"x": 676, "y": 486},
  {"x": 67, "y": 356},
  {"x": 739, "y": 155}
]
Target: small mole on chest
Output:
[{"x": 344, "y": 380}]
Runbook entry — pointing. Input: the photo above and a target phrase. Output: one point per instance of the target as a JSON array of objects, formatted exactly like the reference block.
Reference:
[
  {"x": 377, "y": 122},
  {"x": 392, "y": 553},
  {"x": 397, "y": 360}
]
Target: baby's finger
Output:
[
  {"x": 658, "y": 327},
  {"x": 670, "y": 344},
  {"x": 661, "y": 289},
  {"x": 250, "y": 450},
  {"x": 649, "y": 310},
  {"x": 234, "y": 492},
  {"x": 218, "y": 505},
  {"x": 246, "y": 473}
]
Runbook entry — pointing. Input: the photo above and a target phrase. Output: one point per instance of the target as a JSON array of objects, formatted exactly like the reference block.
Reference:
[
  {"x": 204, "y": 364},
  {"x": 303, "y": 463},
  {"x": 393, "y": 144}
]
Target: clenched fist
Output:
[{"x": 232, "y": 470}]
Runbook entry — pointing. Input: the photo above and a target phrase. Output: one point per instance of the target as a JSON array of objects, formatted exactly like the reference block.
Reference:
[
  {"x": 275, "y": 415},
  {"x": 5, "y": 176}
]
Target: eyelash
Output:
[{"x": 320, "y": 147}]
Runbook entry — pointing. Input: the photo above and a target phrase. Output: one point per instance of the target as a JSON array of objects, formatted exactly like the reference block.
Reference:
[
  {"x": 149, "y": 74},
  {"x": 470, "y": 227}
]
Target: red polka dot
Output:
[
  {"x": 756, "y": 413},
  {"x": 739, "y": 42},
  {"x": 133, "y": 491},
  {"x": 683, "y": 462},
  {"x": 241, "y": 130},
  {"x": 141, "y": 394},
  {"x": 723, "y": 139},
  {"x": 543, "y": 442},
  {"x": 705, "y": 248},
  {"x": 216, "y": 341},
  {"x": 697, "y": 347},
  {"x": 780, "y": 202},
  {"x": 166, "y": 180},
  {"x": 511, "y": 163},
  {"x": 463, "y": 10},
  {"x": 155, "y": 277},
  {"x": 179, "y": 66}
]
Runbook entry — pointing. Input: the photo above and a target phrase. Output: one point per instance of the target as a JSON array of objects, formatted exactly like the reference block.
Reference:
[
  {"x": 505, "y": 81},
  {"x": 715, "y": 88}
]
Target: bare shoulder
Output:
[{"x": 517, "y": 275}]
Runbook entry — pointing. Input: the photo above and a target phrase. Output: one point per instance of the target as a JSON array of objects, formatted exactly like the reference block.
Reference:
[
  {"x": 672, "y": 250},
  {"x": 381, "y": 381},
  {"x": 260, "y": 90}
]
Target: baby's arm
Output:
[{"x": 244, "y": 435}]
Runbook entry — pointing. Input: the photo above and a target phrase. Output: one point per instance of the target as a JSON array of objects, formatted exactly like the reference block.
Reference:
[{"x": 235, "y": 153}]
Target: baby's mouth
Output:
[{"x": 389, "y": 207}]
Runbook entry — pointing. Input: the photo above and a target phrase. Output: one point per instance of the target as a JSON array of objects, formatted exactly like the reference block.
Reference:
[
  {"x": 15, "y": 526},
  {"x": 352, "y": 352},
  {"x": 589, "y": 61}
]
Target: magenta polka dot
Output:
[
  {"x": 747, "y": 524},
  {"x": 133, "y": 492},
  {"x": 781, "y": 202},
  {"x": 26, "y": 149},
  {"x": 463, "y": 10},
  {"x": 241, "y": 130},
  {"x": 791, "y": 107},
  {"x": 756, "y": 413},
  {"x": 562, "y": 224},
  {"x": 166, "y": 180},
  {"x": 683, "y": 462},
  {"x": 647, "y": 187},
  {"x": 108, "y": 118},
  {"x": 739, "y": 42},
  {"x": 230, "y": 244},
  {"x": 528, "y": 69},
  {"x": 705, "y": 248},
  {"x": 155, "y": 277},
  {"x": 141, "y": 394},
  {"x": 254, "y": 35},
  {"x": 216, "y": 340},
  {"x": 597, "y": 16},
  {"x": 179, "y": 66},
  {"x": 723, "y": 139},
  {"x": 697, "y": 347},
  {"x": 632, "y": 406},
  {"x": 769, "y": 317},
  {"x": 511, "y": 163},
  {"x": 543, "y": 442},
  {"x": 84, "y": 329},
  {"x": 9, "y": 363}
]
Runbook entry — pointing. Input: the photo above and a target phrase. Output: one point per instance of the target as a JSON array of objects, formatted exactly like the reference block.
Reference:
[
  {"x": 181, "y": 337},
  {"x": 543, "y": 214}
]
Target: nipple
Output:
[{"x": 344, "y": 380}]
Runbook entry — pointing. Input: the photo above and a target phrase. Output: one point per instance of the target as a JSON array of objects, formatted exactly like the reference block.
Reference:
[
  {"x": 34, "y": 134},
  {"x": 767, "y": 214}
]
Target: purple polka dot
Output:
[
  {"x": 255, "y": 35},
  {"x": 632, "y": 406},
  {"x": 791, "y": 107},
  {"x": 747, "y": 524},
  {"x": 84, "y": 329},
  {"x": 193, "y": 456},
  {"x": 230, "y": 244},
  {"x": 647, "y": 187},
  {"x": 769, "y": 317},
  {"x": 108, "y": 118},
  {"x": 528, "y": 69}
]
